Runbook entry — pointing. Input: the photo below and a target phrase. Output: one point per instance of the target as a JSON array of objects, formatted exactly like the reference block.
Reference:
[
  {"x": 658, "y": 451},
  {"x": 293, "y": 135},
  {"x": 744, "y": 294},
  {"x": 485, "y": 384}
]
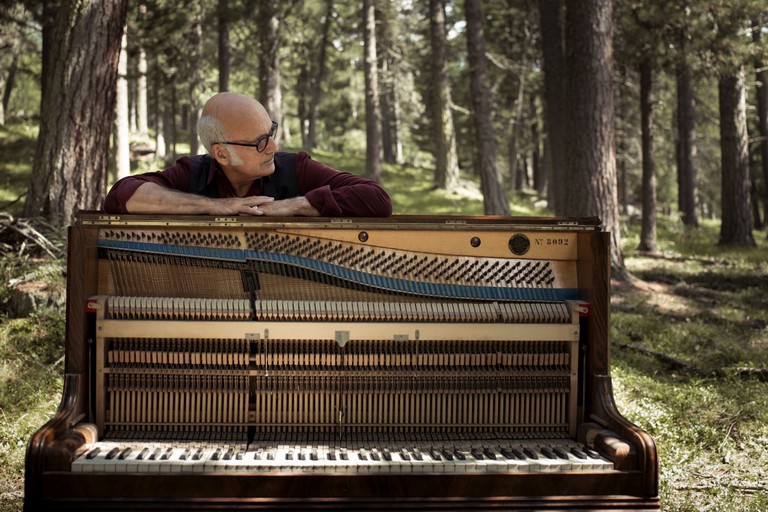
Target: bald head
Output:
[
  {"x": 230, "y": 106},
  {"x": 231, "y": 116}
]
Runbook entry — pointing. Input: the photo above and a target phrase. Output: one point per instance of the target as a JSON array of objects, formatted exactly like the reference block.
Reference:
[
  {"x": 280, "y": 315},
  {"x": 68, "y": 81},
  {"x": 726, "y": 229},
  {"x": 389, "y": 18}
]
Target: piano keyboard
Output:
[{"x": 540, "y": 456}]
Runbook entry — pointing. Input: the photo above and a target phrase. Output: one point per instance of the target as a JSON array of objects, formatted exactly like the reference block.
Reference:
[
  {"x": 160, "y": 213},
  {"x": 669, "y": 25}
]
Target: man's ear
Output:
[{"x": 220, "y": 154}]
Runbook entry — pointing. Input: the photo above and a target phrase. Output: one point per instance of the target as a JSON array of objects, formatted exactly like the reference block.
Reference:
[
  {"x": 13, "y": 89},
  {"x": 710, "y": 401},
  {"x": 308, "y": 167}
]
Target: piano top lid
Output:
[{"x": 479, "y": 222}]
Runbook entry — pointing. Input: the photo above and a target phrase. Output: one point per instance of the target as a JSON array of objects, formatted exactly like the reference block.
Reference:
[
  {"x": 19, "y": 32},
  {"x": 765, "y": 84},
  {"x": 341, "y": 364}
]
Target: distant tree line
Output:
[{"x": 601, "y": 107}]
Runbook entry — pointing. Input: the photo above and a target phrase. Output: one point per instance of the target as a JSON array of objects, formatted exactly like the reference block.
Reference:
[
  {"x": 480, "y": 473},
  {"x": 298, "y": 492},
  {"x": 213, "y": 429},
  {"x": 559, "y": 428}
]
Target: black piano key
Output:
[
  {"x": 459, "y": 455},
  {"x": 477, "y": 454},
  {"x": 548, "y": 453},
  {"x": 489, "y": 453},
  {"x": 436, "y": 455},
  {"x": 362, "y": 455},
  {"x": 125, "y": 453},
  {"x": 509, "y": 454},
  {"x": 185, "y": 454},
  {"x": 375, "y": 456},
  {"x": 289, "y": 456},
  {"x": 528, "y": 453},
  {"x": 560, "y": 453},
  {"x": 228, "y": 454},
  {"x": 112, "y": 453},
  {"x": 313, "y": 455},
  {"x": 578, "y": 453},
  {"x": 387, "y": 455},
  {"x": 198, "y": 454},
  {"x": 154, "y": 454},
  {"x": 331, "y": 455},
  {"x": 447, "y": 454},
  {"x": 216, "y": 454},
  {"x": 592, "y": 453},
  {"x": 142, "y": 454},
  {"x": 239, "y": 455},
  {"x": 417, "y": 455},
  {"x": 167, "y": 454},
  {"x": 343, "y": 455},
  {"x": 93, "y": 453}
]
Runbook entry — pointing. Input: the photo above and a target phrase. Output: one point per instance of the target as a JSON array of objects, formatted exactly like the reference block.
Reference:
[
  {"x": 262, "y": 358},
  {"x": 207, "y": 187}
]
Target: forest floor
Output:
[{"x": 689, "y": 333}]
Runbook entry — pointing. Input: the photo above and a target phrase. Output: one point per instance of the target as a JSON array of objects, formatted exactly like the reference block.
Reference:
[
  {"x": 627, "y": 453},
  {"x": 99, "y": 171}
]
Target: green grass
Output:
[
  {"x": 17, "y": 148},
  {"x": 706, "y": 306},
  {"x": 699, "y": 304}
]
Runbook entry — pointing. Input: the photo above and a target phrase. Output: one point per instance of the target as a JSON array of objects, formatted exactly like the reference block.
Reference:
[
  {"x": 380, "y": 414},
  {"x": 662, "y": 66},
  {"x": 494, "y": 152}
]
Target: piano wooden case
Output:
[{"x": 278, "y": 364}]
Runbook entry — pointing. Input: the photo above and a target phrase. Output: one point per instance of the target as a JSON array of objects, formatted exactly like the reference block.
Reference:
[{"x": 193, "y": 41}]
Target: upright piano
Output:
[{"x": 432, "y": 363}]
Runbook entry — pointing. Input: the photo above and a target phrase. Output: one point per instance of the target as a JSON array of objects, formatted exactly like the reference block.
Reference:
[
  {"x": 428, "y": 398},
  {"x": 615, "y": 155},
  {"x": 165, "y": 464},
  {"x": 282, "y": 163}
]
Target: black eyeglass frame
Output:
[{"x": 260, "y": 144}]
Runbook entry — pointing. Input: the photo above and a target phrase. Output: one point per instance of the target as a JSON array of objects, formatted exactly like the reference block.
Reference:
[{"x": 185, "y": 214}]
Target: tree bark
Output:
[
  {"x": 648, "y": 229},
  {"x": 196, "y": 82},
  {"x": 318, "y": 76},
  {"x": 223, "y": 42},
  {"x": 443, "y": 134},
  {"x": 550, "y": 13},
  {"x": 494, "y": 199},
  {"x": 142, "y": 107},
  {"x": 762, "y": 118},
  {"x": 686, "y": 172},
  {"x": 539, "y": 179},
  {"x": 122, "y": 129},
  {"x": 736, "y": 226},
  {"x": 516, "y": 171},
  {"x": 385, "y": 103},
  {"x": 590, "y": 147},
  {"x": 270, "y": 77},
  {"x": 71, "y": 159},
  {"x": 372, "y": 107}
]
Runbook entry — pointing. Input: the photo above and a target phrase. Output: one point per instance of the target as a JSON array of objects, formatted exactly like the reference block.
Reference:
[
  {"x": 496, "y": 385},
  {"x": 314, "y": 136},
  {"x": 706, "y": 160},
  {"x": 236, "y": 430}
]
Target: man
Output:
[{"x": 246, "y": 175}]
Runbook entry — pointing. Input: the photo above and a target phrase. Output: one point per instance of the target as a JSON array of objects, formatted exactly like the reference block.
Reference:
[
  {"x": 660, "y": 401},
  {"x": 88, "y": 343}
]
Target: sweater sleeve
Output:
[
  {"x": 175, "y": 177},
  {"x": 336, "y": 193}
]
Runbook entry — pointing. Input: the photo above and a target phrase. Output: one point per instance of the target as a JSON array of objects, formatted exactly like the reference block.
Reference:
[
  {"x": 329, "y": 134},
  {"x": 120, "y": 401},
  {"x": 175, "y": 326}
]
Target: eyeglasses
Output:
[{"x": 260, "y": 144}]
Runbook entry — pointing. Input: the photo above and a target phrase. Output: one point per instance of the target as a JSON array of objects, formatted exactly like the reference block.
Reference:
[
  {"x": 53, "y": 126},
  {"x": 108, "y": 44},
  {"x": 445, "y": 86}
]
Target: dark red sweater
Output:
[{"x": 331, "y": 192}]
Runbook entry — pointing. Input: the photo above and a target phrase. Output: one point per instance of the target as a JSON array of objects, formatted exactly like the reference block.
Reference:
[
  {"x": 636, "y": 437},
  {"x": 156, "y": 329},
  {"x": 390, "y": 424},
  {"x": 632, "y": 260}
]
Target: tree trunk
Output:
[
  {"x": 550, "y": 13},
  {"x": 51, "y": 13},
  {"x": 71, "y": 159},
  {"x": 590, "y": 147},
  {"x": 122, "y": 130},
  {"x": 686, "y": 172},
  {"x": 736, "y": 226},
  {"x": 516, "y": 173},
  {"x": 171, "y": 124},
  {"x": 387, "y": 126},
  {"x": 196, "y": 82},
  {"x": 443, "y": 134},
  {"x": 762, "y": 117},
  {"x": 622, "y": 114},
  {"x": 161, "y": 148},
  {"x": 648, "y": 229},
  {"x": 539, "y": 179},
  {"x": 372, "y": 108},
  {"x": 142, "y": 109},
  {"x": 270, "y": 78},
  {"x": 142, "y": 117},
  {"x": 494, "y": 200},
  {"x": 223, "y": 14},
  {"x": 318, "y": 77},
  {"x": 10, "y": 80}
]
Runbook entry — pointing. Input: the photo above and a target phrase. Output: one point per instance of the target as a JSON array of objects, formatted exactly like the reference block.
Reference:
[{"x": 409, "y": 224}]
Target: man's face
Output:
[{"x": 251, "y": 162}]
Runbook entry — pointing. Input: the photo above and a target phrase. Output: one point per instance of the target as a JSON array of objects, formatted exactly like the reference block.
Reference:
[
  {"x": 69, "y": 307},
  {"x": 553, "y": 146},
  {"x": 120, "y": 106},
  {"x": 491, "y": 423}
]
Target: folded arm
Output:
[{"x": 153, "y": 198}]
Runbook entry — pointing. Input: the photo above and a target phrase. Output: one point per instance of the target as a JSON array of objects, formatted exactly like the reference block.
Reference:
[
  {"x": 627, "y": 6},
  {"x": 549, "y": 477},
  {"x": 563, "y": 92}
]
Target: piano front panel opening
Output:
[{"x": 513, "y": 388}]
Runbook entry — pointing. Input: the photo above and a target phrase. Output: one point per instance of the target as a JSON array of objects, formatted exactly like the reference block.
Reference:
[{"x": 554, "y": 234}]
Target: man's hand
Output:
[
  {"x": 296, "y": 206},
  {"x": 154, "y": 198},
  {"x": 252, "y": 205}
]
